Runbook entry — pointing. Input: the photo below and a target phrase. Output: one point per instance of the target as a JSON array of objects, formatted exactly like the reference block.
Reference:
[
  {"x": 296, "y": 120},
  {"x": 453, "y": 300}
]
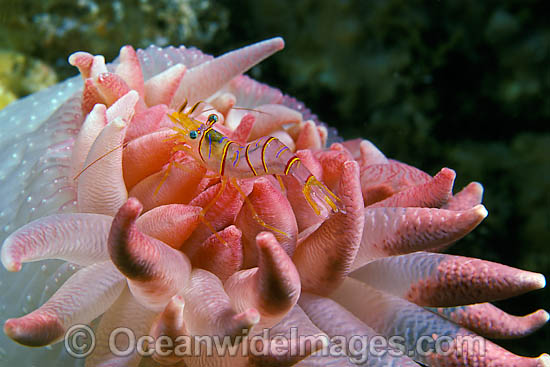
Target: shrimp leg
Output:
[
  {"x": 318, "y": 189},
  {"x": 170, "y": 165},
  {"x": 281, "y": 184},
  {"x": 202, "y": 213},
  {"x": 216, "y": 197},
  {"x": 164, "y": 178},
  {"x": 255, "y": 215}
]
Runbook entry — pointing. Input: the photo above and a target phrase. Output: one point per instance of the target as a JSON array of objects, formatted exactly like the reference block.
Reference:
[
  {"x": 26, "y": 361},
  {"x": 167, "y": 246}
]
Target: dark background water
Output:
[{"x": 462, "y": 84}]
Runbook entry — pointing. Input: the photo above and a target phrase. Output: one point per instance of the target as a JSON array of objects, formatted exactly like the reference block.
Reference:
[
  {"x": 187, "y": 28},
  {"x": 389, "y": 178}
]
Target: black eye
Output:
[
  {"x": 213, "y": 119},
  {"x": 193, "y": 134}
]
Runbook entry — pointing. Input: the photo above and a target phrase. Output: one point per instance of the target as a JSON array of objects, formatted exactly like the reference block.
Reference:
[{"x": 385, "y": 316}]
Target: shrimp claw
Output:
[{"x": 314, "y": 187}]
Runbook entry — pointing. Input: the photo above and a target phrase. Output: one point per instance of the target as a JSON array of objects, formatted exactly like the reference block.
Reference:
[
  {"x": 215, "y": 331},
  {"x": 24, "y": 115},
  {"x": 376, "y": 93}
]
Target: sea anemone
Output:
[{"x": 150, "y": 242}]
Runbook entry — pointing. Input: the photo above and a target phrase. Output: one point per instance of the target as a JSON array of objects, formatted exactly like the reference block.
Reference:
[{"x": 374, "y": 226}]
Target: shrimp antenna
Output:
[
  {"x": 194, "y": 107},
  {"x": 182, "y": 107},
  {"x": 240, "y": 108},
  {"x": 123, "y": 145},
  {"x": 184, "y": 104}
]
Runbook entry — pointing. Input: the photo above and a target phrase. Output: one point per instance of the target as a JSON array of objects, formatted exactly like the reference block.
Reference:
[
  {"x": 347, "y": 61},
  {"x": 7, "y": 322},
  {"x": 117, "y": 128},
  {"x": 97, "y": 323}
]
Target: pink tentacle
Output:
[
  {"x": 91, "y": 128},
  {"x": 272, "y": 288},
  {"x": 395, "y": 316},
  {"x": 146, "y": 122},
  {"x": 83, "y": 297},
  {"x": 79, "y": 238},
  {"x": 145, "y": 156},
  {"x": 438, "y": 280},
  {"x": 222, "y": 259},
  {"x": 396, "y": 231},
  {"x": 161, "y": 88},
  {"x": 433, "y": 194},
  {"x": 273, "y": 209},
  {"x": 468, "y": 197},
  {"x": 155, "y": 271},
  {"x": 491, "y": 322},
  {"x": 171, "y": 224},
  {"x": 101, "y": 187},
  {"x": 129, "y": 69},
  {"x": 326, "y": 256},
  {"x": 214, "y": 74}
]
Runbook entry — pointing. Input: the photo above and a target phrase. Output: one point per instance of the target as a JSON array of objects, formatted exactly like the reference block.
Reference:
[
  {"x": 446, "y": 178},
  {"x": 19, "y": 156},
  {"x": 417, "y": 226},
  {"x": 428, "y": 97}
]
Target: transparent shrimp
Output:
[
  {"x": 231, "y": 161},
  {"x": 264, "y": 156}
]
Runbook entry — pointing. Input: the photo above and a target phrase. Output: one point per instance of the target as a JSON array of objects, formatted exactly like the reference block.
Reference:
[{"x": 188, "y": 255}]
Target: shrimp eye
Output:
[
  {"x": 213, "y": 118},
  {"x": 193, "y": 134}
]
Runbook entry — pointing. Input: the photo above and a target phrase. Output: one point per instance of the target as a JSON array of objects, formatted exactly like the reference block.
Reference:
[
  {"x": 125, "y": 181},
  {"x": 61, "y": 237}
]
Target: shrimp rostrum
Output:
[{"x": 264, "y": 156}]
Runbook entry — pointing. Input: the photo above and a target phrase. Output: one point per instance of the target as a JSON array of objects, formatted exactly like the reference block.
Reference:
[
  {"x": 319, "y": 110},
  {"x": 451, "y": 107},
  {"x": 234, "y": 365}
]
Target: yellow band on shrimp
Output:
[
  {"x": 290, "y": 163},
  {"x": 263, "y": 152},
  {"x": 248, "y": 160},
  {"x": 201, "y": 141},
  {"x": 224, "y": 156}
]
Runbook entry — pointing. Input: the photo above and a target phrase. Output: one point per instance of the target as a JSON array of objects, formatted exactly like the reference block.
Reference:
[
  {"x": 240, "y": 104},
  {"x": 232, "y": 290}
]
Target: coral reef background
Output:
[{"x": 462, "y": 84}]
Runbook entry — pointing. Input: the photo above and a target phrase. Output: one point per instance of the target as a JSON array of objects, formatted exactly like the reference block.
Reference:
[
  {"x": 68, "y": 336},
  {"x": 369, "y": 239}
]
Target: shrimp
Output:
[
  {"x": 264, "y": 156},
  {"x": 231, "y": 161}
]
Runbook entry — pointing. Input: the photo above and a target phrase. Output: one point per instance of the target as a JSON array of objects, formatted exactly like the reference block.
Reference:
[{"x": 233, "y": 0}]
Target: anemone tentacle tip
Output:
[
  {"x": 33, "y": 332},
  {"x": 250, "y": 317},
  {"x": 280, "y": 41},
  {"x": 481, "y": 211},
  {"x": 9, "y": 328},
  {"x": 539, "y": 281},
  {"x": 9, "y": 263},
  {"x": 544, "y": 360}
]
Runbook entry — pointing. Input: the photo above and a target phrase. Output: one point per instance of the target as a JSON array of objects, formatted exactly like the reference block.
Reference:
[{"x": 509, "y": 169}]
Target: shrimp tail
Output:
[{"x": 316, "y": 192}]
